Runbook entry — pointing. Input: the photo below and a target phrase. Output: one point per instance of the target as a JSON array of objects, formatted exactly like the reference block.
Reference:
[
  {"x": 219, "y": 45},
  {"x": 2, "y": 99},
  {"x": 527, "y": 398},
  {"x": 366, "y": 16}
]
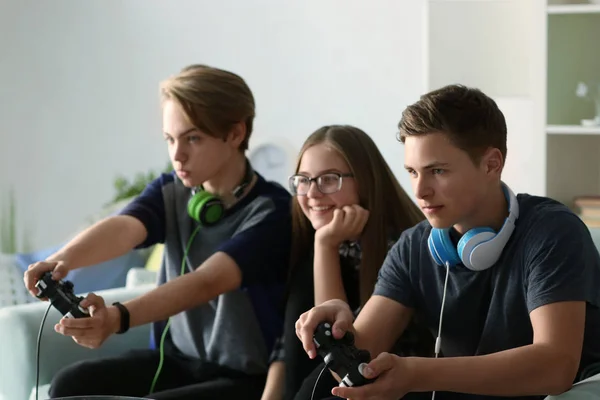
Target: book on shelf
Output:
[
  {"x": 589, "y": 210},
  {"x": 591, "y": 222}
]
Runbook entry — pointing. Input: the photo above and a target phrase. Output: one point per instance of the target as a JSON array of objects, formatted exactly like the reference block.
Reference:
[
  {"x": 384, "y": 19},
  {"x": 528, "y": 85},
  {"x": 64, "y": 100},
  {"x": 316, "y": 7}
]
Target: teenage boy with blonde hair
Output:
[{"x": 227, "y": 235}]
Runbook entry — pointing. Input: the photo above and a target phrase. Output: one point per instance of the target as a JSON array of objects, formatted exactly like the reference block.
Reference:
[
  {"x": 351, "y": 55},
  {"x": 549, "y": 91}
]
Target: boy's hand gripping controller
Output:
[
  {"x": 341, "y": 356},
  {"x": 61, "y": 296}
]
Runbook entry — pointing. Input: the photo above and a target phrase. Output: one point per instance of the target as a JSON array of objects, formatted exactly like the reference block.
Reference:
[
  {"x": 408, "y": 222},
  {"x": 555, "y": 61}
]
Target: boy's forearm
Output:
[
  {"x": 380, "y": 323},
  {"x": 166, "y": 300},
  {"x": 274, "y": 387},
  {"x": 219, "y": 274},
  {"x": 529, "y": 370},
  {"x": 103, "y": 241}
]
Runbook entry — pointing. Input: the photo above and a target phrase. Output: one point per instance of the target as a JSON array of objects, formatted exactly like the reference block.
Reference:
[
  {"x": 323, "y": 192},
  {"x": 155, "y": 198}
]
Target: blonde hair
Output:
[
  {"x": 391, "y": 211},
  {"x": 213, "y": 100}
]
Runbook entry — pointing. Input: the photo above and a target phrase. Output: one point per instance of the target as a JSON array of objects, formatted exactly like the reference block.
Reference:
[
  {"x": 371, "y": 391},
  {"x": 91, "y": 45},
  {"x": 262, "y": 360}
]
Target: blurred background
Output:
[{"x": 80, "y": 115}]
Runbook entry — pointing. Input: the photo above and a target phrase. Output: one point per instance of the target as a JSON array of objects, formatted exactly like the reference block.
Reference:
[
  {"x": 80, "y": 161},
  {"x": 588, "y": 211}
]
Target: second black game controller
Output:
[
  {"x": 341, "y": 356},
  {"x": 61, "y": 296}
]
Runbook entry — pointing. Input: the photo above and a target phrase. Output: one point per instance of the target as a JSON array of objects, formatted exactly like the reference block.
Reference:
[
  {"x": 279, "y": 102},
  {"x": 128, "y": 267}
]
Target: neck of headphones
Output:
[
  {"x": 513, "y": 204},
  {"x": 239, "y": 189},
  {"x": 246, "y": 180}
]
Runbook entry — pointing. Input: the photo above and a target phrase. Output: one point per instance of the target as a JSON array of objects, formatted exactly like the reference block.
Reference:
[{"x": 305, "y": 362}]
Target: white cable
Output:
[
  {"x": 317, "y": 381},
  {"x": 438, "y": 340}
]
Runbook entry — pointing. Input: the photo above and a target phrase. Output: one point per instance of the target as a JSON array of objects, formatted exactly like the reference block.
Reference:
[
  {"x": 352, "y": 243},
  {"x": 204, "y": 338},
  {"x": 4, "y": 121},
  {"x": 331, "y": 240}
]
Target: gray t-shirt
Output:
[
  {"x": 550, "y": 257},
  {"x": 237, "y": 329}
]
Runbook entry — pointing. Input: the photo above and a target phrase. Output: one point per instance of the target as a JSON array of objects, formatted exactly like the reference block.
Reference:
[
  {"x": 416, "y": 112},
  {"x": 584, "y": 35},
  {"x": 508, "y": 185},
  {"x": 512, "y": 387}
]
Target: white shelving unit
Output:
[
  {"x": 572, "y": 150},
  {"x": 573, "y": 9},
  {"x": 572, "y": 130},
  {"x": 529, "y": 56}
]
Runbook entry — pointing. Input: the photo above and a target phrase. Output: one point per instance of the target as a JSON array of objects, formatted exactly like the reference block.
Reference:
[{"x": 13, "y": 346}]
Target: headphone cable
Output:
[
  {"x": 37, "y": 352},
  {"x": 317, "y": 382},
  {"x": 164, "y": 334},
  {"x": 438, "y": 340}
]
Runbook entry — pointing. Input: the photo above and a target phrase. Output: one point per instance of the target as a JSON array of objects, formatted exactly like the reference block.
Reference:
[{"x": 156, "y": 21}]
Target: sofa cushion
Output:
[{"x": 106, "y": 275}]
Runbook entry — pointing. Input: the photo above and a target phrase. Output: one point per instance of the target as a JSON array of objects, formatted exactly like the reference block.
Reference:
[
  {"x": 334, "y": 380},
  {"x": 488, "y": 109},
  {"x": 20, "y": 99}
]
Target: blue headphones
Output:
[{"x": 479, "y": 248}]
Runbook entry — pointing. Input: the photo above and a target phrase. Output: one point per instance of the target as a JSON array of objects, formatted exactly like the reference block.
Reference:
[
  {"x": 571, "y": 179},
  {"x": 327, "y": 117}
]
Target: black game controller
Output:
[
  {"x": 61, "y": 296},
  {"x": 341, "y": 356}
]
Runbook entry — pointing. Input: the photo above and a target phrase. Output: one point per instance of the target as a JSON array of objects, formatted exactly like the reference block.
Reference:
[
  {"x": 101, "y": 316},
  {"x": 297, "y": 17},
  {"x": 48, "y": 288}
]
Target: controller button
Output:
[
  {"x": 361, "y": 368},
  {"x": 346, "y": 382}
]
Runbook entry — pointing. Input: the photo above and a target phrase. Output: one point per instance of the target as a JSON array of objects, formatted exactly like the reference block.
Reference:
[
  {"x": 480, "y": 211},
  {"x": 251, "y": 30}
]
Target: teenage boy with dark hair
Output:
[{"x": 521, "y": 313}]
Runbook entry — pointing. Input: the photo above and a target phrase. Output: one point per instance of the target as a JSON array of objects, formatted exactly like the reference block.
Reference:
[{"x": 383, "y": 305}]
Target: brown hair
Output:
[
  {"x": 391, "y": 211},
  {"x": 471, "y": 120},
  {"x": 214, "y": 100}
]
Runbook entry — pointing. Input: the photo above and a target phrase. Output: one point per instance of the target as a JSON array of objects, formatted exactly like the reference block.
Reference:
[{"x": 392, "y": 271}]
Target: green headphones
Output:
[{"x": 207, "y": 208}]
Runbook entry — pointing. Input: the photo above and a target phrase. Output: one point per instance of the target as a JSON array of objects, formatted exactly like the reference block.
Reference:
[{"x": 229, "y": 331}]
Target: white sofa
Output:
[{"x": 19, "y": 327}]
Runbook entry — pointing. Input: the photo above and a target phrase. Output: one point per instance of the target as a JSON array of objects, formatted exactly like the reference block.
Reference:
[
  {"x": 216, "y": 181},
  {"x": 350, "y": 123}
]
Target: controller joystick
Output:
[
  {"x": 61, "y": 296},
  {"x": 341, "y": 356}
]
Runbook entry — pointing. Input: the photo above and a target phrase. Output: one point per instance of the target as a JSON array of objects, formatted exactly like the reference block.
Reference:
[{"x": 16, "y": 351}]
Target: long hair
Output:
[{"x": 391, "y": 211}]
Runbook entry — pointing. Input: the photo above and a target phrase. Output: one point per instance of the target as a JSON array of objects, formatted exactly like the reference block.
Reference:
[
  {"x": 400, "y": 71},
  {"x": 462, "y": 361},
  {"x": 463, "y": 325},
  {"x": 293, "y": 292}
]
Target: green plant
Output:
[
  {"x": 126, "y": 189},
  {"x": 8, "y": 227}
]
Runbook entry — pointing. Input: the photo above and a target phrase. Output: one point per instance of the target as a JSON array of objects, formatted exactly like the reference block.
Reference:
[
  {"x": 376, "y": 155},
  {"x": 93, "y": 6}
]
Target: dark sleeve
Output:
[
  {"x": 261, "y": 248},
  {"x": 393, "y": 280},
  {"x": 149, "y": 208},
  {"x": 301, "y": 298},
  {"x": 561, "y": 261},
  {"x": 278, "y": 353}
]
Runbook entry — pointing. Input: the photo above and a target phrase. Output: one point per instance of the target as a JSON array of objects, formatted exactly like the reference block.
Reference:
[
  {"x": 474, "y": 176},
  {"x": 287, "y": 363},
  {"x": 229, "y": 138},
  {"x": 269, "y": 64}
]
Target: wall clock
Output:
[{"x": 274, "y": 159}]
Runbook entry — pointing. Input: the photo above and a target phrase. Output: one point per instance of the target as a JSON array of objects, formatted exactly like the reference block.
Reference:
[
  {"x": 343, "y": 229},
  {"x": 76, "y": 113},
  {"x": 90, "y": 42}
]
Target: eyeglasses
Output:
[{"x": 328, "y": 183}]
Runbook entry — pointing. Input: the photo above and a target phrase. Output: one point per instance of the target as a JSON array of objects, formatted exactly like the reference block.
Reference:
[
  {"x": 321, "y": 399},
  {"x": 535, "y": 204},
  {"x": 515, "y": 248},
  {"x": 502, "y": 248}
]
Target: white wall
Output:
[
  {"x": 79, "y": 85},
  {"x": 499, "y": 47},
  {"x": 483, "y": 43}
]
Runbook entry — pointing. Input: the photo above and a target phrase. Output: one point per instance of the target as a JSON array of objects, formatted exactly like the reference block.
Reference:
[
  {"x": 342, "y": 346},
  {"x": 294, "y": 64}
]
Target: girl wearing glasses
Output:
[{"x": 348, "y": 210}]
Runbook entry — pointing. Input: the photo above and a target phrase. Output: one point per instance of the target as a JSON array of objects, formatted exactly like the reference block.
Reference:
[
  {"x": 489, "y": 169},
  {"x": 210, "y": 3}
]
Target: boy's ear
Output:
[
  {"x": 237, "y": 134},
  {"x": 492, "y": 161}
]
